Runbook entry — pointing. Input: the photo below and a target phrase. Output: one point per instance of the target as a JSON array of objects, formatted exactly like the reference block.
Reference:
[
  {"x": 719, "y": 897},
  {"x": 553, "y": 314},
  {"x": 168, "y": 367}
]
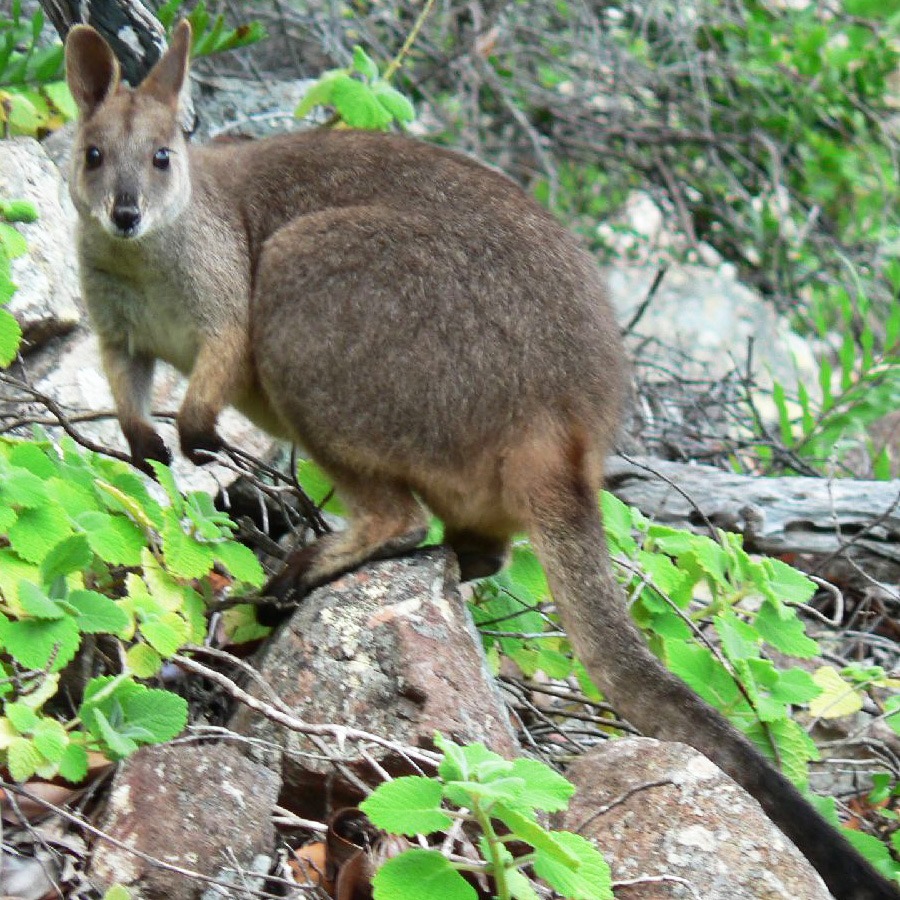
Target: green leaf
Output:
[
  {"x": 786, "y": 583},
  {"x": 795, "y": 686},
  {"x": 22, "y": 759},
  {"x": 785, "y": 634},
  {"x": 72, "y": 554},
  {"x": 115, "y": 539},
  {"x": 409, "y": 805},
  {"x": 123, "y": 713},
  {"x": 23, "y": 718},
  {"x": 618, "y": 520},
  {"x": 143, "y": 661},
  {"x": 502, "y": 790},
  {"x": 117, "y": 892},
  {"x": 459, "y": 762},
  {"x": 364, "y": 64},
  {"x": 116, "y": 744},
  {"x": 358, "y": 106},
  {"x": 37, "y": 604},
  {"x": 545, "y": 788},
  {"x": 19, "y": 211},
  {"x": 13, "y": 571},
  {"x": 873, "y": 850},
  {"x": 32, "y": 642},
  {"x": 739, "y": 640},
  {"x": 704, "y": 673},
  {"x": 528, "y": 830},
  {"x": 319, "y": 94},
  {"x": 241, "y": 626},
  {"x": 51, "y": 740},
  {"x": 10, "y": 337},
  {"x": 73, "y": 766},
  {"x": 96, "y": 614},
  {"x": 28, "y": 455},
  {"x": 166, "y": 480},
  {"x": 794, "y": 745},
  {"x": 591, "y": 880},
  {"x": 240, "y": 561},
  {"x": 37, "y": 530},
  {"x": 399, "y": 106},
  {"x": 61, "y": 97},
  {"x": 184, "y": 555},
  {"x": 837, "y": 697},
  {"x": 13, "y": 241},
  {"x": 519, "y": 886},
  {"x": 23, "y": 488},
  {"x": 161, "y": 713},
  {"x": 420, "y": 875},
  {"x": 525, "y": 579},
  {"x": 166, "y": 634}
]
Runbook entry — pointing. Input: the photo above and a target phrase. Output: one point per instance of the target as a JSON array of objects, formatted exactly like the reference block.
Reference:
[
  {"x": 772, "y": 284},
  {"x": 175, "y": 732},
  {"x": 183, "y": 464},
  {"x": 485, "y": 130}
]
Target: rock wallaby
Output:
[{"x": 421, "y": 327}]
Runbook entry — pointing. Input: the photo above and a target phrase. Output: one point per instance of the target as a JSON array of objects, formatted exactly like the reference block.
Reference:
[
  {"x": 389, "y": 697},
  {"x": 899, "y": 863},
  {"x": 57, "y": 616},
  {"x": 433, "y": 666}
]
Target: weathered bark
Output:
[{"x": 808, "y": 517}]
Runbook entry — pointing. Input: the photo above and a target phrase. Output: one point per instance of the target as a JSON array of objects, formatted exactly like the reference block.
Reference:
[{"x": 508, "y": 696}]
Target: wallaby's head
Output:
[{"x": 129, "y": 161}]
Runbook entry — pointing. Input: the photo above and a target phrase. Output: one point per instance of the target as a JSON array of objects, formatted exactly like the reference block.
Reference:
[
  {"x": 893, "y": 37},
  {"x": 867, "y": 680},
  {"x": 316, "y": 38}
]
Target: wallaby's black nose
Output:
[{"x": 125, "y": 213}]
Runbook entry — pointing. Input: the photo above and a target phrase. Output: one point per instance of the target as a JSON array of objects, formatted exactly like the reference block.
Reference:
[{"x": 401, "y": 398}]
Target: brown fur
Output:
[{"x": 421, "y": 327}]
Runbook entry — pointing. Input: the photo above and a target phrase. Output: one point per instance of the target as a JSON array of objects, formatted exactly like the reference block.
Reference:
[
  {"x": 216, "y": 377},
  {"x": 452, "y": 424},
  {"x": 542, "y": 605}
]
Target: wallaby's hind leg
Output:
[
  {"x": 479, "y": 555},
  {"x": 386, "y": 520}
]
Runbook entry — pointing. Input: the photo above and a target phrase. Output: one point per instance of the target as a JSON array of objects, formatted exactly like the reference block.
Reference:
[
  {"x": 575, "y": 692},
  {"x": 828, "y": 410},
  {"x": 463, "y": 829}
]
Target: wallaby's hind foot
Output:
[
  {"x": 322, "y": 561},
  {"x": 479, "y": 556},
  {"x": 386, "y": 520}
]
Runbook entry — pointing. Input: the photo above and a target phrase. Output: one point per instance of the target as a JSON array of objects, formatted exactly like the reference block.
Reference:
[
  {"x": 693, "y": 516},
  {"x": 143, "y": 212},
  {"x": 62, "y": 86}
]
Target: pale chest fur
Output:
[{"x": 154, "y": 302}]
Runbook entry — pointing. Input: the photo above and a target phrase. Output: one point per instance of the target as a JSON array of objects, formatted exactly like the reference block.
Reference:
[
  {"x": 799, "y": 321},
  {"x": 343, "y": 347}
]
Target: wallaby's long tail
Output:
[{"x": 568, "y": 538}]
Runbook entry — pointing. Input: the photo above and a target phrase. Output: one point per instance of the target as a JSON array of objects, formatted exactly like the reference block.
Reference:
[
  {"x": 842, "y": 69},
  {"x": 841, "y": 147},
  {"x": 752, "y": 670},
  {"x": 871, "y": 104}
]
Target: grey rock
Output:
[
  {"x": 663, "y": 809},
  {"x": 201, "y": 807},
  {"x": 46, "y": 302},
  {"x": 388, "y": 649}
]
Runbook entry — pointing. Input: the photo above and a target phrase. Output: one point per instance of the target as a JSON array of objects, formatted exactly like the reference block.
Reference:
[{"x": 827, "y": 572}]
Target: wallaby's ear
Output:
[
  {"x": 167, "y": 77},
  {"x": 92, "y": 70}
]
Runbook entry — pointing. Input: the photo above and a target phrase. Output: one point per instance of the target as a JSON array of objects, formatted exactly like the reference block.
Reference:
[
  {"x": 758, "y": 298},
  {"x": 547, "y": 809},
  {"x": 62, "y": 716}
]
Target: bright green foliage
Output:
[
  {"x": 117, "y": 892},
  {"x": 421, "y": 873},
  {"x": 493, "y": 791},
  {"x": 34, "y": 98},
  {"x": 86, "y": 549},
  {"x": 210, "y": 34},
  {"x": 361, "y": 98}
]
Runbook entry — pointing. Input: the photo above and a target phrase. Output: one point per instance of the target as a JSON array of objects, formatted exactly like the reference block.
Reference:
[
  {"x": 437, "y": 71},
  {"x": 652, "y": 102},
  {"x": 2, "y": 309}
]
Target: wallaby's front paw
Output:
[
  {"x": 198, "y": 445},
  {"x": 147, "y": 445}
]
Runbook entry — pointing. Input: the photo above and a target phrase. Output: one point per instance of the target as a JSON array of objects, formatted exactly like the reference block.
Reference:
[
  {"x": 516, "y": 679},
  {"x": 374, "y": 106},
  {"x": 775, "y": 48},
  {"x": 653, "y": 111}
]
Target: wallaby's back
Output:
[{"x": 430, "y": 299}]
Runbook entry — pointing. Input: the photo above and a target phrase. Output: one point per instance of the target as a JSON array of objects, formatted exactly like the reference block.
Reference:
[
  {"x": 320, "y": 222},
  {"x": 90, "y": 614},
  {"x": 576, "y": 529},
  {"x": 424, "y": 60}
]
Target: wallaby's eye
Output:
[
  {"x": 93, "y": 158},
  {"x": 161, "y": 158}
]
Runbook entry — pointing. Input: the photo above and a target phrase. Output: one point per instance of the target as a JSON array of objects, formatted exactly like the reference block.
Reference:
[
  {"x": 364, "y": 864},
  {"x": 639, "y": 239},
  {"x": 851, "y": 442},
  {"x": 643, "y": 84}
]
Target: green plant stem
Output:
[
  {"x": 397, "y": 61},
  {"x": 497, "y": 867}
]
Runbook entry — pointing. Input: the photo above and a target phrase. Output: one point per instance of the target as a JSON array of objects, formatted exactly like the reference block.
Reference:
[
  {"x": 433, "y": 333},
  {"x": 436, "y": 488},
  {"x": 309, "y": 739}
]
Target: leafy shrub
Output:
[
  {"x": 488, "y": 793},
  {"x": 34, "y": 98},
  {"x": 85, "y": 549},
  {"x": 361, "y": 98},
  {"x": 210, "y": 33}
]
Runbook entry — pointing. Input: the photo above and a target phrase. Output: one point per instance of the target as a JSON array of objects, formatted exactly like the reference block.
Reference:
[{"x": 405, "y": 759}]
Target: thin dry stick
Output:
[{"x": 340, "y": 733}]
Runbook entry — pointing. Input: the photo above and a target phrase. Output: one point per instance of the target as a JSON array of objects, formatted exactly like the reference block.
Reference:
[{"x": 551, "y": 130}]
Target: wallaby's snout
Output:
[{"x": 126, "y": 214}]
